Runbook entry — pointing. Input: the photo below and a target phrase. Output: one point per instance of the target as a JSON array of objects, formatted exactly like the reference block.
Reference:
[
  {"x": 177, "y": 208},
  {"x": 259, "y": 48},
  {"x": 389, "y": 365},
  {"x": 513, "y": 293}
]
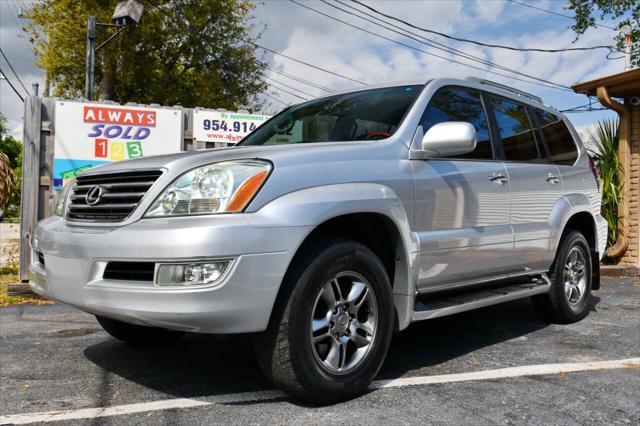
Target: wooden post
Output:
[
  {"x": 47, "y": 197},
  {"x": 30, "y": 179}
]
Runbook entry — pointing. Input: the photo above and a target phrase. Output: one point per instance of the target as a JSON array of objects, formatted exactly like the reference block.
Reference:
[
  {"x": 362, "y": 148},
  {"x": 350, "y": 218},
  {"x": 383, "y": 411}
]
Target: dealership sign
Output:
[
  {"x": 91, "y": 134},
  {"x": 223, "y": 126}
]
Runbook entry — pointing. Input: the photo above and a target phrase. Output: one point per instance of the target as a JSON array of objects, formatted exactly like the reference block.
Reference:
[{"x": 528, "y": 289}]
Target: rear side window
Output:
[
  {"x": 558, "y": 138},
  {"x": 460, "y": 105},
  {"x": 515, "y": 130}
]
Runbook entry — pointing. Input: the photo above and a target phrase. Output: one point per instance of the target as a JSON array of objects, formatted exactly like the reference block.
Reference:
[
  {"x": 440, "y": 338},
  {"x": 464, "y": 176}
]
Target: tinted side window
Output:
[
  {"x": 460, "y": 105},
  {"x": 515, "y": 130},
  {"x": 558, "y": 138}
]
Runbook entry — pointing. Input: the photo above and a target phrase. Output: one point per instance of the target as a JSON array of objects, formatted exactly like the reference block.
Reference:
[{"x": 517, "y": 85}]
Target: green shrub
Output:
[{"x": 605, "y": 155}]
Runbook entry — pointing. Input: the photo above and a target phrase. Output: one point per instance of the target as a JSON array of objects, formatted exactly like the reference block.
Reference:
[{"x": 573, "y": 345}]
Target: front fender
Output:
[
  {"x": 311, "y": 207},
  {"x": 314, "y": 206}
]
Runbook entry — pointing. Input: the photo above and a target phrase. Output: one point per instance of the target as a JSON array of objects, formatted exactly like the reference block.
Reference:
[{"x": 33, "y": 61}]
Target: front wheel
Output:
[
  {"x": 332, "y": 325},
  {"x": 570, "y": 293}
]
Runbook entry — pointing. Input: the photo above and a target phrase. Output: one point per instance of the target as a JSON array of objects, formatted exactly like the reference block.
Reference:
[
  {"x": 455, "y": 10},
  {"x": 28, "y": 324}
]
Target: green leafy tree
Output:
[
  {"x": 182, "y": 52},
  {"x": 10, "y": 170},
  {"x": 586, "y": 12}
]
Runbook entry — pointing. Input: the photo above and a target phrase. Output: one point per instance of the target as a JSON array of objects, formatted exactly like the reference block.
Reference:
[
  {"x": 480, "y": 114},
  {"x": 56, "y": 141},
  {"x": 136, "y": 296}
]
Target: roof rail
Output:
[{"x": 507, "y": 89}]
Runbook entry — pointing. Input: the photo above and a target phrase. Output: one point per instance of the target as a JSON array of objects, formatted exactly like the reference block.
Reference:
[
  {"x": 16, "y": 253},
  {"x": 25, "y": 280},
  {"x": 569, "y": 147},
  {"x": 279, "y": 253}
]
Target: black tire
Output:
[
  {"x": 285, "y": 351},
  {"x": 138, "y": 335},
  {"x": 555, "y": 305}
]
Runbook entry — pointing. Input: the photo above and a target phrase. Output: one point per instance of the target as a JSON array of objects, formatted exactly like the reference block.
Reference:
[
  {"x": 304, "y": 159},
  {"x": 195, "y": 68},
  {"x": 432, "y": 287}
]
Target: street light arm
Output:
[
  {"x": 122, "y": 28},
  {"x": 104, "y": 24}
]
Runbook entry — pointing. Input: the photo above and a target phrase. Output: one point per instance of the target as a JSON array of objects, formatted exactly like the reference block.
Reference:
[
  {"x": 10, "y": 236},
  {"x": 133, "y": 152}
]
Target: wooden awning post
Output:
[
  {"x": 624, "y": 85},
  {"x": 622, "y": 241}
]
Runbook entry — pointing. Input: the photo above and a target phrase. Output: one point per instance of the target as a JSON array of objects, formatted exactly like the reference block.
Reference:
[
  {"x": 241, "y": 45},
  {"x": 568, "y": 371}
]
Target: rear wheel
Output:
[
  {"x": 138, "y": 334},
  {"x": 570, "y": 293},
  {"x": 332, "y": 325}
]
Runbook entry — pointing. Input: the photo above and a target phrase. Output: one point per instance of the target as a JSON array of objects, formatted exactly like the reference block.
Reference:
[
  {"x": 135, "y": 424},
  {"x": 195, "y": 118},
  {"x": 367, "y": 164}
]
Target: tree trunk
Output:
[{"x": 109, "y": 75}]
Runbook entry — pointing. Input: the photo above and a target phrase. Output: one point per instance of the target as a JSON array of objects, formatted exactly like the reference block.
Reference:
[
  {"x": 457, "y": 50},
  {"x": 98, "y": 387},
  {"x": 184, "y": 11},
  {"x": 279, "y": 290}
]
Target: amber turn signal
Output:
[{"x": 246, "y": 191}]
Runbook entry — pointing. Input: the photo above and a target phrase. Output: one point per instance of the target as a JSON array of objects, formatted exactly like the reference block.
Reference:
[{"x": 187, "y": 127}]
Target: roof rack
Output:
[{"x": 507, "y": 89}]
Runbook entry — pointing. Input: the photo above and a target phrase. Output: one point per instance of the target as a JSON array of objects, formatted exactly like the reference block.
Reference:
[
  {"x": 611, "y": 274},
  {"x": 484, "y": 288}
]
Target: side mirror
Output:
[{"x": 450, "y": 138}]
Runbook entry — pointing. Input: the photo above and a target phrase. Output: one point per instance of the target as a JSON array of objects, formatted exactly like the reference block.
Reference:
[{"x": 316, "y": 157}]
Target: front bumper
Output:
[{"x": 75, "y": 258}]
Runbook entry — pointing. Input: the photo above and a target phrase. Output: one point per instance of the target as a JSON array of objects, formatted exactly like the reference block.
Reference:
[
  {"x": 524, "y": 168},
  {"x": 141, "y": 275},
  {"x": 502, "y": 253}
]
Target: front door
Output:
[{"x": 462, "y": 203}]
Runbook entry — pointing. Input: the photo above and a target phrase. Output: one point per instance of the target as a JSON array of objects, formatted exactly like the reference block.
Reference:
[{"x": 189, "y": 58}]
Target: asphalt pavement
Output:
[{"x": 498, "y": 365}]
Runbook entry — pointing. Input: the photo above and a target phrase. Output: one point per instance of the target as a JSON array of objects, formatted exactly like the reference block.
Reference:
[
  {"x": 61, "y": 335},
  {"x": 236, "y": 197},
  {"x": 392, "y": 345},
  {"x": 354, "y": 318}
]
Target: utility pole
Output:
[
  {"x": 22, "y": 15},
  {"x": 626, "y": 30},
  {"x": 126, "y": 13},
  {"x": 91, "y": 55}
]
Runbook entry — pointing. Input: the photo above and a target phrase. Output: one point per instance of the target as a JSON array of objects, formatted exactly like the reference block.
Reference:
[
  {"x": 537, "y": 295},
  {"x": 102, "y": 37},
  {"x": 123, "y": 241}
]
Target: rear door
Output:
[
  {"x": 536, "y": 183},
  {"x": 462, "y": 203}
]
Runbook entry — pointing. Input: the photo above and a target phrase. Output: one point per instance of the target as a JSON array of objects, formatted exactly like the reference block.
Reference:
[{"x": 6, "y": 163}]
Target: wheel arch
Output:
[
  {"x": 383, "y": 237},
  {"x": 573, "y": 213}
]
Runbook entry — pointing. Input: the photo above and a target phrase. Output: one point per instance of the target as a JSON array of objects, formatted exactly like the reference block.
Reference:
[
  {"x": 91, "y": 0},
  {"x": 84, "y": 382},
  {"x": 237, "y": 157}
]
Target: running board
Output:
[{"x": 453, "y": 304}]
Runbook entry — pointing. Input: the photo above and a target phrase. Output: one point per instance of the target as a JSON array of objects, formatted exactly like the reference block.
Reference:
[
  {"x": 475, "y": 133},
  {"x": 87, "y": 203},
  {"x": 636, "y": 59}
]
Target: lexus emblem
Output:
[{"x": 94, "y": 194}]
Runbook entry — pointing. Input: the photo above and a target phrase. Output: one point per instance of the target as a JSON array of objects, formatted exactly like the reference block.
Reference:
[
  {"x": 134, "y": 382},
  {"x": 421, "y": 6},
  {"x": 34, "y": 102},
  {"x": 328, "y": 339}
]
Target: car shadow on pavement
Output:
[
  {"x": 434, "y": 342},
  {"x": 204, "y": 365}
]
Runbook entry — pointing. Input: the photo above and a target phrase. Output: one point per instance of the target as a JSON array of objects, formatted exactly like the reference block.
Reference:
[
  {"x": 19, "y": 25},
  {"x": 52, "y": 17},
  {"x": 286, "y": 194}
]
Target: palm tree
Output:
[
  {"x": 605, "y": 155},
  {"x": 7, "y": 179}
]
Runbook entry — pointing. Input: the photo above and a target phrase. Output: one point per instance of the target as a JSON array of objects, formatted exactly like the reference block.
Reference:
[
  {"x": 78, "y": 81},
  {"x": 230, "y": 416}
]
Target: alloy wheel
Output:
[
  {"x": 343, "y": 324},
  {"x": 575, "y": 276}
]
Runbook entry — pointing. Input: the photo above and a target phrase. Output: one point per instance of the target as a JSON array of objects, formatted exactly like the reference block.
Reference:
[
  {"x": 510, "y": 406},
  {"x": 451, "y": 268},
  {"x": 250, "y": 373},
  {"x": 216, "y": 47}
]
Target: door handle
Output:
[
  {"x": 498, "y": 178},
  {"x": 552, "y": 179}
]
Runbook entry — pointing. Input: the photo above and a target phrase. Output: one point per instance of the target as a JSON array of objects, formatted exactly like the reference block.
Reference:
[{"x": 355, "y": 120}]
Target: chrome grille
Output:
[{"x": 120, "y": 194}]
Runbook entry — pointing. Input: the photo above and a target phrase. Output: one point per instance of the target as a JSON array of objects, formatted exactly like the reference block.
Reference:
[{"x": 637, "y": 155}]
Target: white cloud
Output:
[
  {"x": 15, "y": 46},
  {"x": 585, "y": 132},
  {"x": 302, "y": 34},
  {"x": 335, "y": 46}
]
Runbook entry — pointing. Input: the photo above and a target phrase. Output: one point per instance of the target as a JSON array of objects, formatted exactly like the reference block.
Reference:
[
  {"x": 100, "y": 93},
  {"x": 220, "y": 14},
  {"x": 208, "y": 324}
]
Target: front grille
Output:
[
  {"x": 129, "y": 271},
  {"x": 120, "y": 195}
]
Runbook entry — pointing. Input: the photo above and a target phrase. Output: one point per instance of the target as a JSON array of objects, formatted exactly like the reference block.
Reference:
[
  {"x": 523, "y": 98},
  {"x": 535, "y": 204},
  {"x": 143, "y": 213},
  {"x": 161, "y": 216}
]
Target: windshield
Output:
[{"x": 366, "y": 115}]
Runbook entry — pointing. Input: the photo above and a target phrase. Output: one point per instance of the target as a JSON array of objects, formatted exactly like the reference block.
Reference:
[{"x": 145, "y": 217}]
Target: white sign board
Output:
[
  {"x": 91, "y": 134},
  {"x": 221, "y": 126}
]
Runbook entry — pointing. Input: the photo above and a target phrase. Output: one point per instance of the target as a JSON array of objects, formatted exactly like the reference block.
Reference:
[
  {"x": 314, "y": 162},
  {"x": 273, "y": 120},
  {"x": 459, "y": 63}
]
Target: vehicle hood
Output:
[{"x": 279, "y": 155}]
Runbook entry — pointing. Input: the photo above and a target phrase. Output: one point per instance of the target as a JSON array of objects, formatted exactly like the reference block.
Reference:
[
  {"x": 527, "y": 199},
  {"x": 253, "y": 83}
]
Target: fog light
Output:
[{"x": 185, "y": 274}]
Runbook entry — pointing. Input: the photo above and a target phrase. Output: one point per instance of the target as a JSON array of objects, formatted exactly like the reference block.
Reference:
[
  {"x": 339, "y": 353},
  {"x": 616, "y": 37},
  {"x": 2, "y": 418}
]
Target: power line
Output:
[
  {"x": 290, "y": 87},
  {"x": 436, "y": 45},
  {"x": 555, "y": 13},
  {"x": 14, "y": 71},
  {"x": 275, "y": 99},
  {"x": 19, "y": 28},
  {"x": 584, "y": 108},
  {"x": 301, "y": 80},
  {"x": 559, "y": 87},
  {"x": 302, "y": 62},
  {"x": 286, "y": 91},
  {"x": 10, "y": 84},
  {"x": 498, "y": 46}
]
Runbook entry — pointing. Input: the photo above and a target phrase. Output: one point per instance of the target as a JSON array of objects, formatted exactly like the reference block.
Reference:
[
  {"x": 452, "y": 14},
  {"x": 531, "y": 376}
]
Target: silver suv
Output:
[{"x": 333, "y": 225}]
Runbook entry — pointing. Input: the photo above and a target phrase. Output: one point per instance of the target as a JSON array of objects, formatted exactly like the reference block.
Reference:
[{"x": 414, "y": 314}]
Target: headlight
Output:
[
  {"x": 62, "y": 199},
  {"x": 225, "y": 187}
]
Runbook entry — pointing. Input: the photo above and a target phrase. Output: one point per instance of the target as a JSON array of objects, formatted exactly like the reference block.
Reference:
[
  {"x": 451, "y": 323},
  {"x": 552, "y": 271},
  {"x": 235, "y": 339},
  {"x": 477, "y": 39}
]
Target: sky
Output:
[{"x": 308, "y": 36}]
